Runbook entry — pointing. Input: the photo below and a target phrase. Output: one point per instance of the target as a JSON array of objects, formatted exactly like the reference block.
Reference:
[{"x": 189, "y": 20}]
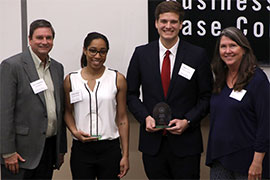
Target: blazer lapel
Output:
[
  {"x": 156, "y": 67},
  {"x": 180, "y": 55},
  {"x": 55, "y": 79},
  {"x": 31, "y": 71}
]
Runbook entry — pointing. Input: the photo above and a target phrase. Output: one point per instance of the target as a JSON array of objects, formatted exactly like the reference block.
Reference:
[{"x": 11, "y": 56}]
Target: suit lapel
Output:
[
  {"x": 31, "y": 71},
  {"x": 55, "y": 79},
  {"x": 180, "y": 55},
  {"x": 156, "y": 66}
]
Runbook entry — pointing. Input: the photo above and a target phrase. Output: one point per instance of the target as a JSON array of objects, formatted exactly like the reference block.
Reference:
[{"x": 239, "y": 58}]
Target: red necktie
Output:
[{"x": 166, "y": 73}]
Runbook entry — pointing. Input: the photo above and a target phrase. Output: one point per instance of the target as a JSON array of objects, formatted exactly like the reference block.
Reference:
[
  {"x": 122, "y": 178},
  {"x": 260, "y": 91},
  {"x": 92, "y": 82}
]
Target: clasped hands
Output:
[{"x": 177, "y": 126}]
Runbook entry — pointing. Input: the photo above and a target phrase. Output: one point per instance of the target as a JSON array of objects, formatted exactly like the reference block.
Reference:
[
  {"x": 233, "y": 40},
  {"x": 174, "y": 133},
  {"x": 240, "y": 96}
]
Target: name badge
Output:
[
  {"x": 75, "y": 96},
  {"x": 38, "y": 86},
  {"x": 238, "y": 95},
  {"x": 186, "y": 71}
]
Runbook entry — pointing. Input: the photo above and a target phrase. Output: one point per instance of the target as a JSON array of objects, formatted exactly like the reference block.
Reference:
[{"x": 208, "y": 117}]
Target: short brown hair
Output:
[
  {"x": 170, "y": 6},
  {"x": 38, "y": 24}
]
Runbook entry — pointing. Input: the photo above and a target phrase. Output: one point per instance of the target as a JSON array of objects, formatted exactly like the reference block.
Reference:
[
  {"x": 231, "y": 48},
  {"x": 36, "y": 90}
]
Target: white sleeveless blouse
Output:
[{"x": 96, "y": 113}]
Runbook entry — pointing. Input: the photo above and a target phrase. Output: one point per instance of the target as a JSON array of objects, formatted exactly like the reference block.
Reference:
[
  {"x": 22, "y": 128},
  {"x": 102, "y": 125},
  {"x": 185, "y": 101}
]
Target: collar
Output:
[
  {"x": 173, "y": 49},
  {"x": 37, "y": 60}
]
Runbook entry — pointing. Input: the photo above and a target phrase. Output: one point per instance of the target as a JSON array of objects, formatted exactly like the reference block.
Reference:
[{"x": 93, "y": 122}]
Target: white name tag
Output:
[
  {"x": 38, "y": 86},
  {"x": 186, "y": 71},
  {"x": 75, "y": 96},
  {"x": 238, "y": 95}
]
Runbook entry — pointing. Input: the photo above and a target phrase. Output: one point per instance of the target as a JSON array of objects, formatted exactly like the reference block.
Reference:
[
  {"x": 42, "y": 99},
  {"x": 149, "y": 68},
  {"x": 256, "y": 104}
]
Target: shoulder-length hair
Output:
[{"x": 247, "y": 65}]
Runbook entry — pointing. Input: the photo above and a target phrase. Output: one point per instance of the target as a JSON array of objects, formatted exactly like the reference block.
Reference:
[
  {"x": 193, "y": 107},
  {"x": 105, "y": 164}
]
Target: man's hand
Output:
[
  {"x": 12, "y": 163},
  {"x": 178, "y": 126},
  {"x": 151, "y": 124}
]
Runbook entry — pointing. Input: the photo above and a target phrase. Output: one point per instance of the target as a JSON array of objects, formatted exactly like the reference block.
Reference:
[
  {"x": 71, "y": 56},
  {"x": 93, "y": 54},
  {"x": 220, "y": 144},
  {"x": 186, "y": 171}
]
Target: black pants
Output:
[
  {"x": 44, "y": 170},
  {"x": 166, "y": 165},
  {"x": 97, "y": 159}
]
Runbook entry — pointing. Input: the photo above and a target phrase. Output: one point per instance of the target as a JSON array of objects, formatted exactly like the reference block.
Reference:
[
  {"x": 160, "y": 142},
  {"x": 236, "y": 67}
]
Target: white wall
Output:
[
  {"x": 10, "y": 28},
  {"x": 124, "y": 22}
]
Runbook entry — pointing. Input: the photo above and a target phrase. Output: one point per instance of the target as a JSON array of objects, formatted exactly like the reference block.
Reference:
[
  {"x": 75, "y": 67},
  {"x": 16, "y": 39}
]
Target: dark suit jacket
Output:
[
  {"x": 23, "y": 113},
  {"x": 188, "y": 99}
]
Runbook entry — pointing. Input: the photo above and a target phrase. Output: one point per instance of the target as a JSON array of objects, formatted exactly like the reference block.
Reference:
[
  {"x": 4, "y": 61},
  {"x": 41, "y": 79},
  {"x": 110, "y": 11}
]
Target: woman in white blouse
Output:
[{"x": 96, "y": 115}]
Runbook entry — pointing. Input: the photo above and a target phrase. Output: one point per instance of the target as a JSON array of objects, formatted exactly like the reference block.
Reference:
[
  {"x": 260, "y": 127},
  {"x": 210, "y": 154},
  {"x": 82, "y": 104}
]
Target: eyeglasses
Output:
[{"x": 94, "y": 52}]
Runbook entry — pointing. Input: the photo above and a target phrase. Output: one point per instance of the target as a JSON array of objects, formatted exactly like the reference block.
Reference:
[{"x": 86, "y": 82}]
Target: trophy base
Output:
[
  {"x": 97, "y": 136},
  {"x": 162, "y": 126}
]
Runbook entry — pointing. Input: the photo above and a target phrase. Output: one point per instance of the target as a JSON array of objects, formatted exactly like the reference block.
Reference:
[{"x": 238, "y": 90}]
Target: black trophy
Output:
[{"x": 162, "y": 114}]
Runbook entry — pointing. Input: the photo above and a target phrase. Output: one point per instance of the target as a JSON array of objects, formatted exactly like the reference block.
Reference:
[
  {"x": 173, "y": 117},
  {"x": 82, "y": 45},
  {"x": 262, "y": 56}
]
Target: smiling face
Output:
[
  {"x": 168, "y": 26},
  {"x": 96, "y": 53},
  {"x": 41, "y": 42},
  {"x": 230, "y": 52}
]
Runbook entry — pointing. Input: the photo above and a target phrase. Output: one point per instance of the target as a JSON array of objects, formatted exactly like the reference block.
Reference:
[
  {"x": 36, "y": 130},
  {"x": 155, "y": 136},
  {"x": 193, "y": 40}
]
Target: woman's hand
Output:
[
  {"x": 124, "y": 167},
  {"x": 84, "y": 137},
  {"x": 255, "y": 169}
]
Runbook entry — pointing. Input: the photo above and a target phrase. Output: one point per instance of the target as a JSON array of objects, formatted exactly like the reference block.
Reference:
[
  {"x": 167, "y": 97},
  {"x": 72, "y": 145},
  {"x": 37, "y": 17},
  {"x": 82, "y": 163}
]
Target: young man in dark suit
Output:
[
  {"x": 178, "y": 73},
  {"x": 33, "y": 133}
]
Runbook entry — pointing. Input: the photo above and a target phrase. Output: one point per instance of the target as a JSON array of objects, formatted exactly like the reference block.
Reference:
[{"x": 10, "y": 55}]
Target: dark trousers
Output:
[
  {"x": 166, "y": 165},
  {"x": 44, "y": 170},
  {"x": 97, "y": 159}
]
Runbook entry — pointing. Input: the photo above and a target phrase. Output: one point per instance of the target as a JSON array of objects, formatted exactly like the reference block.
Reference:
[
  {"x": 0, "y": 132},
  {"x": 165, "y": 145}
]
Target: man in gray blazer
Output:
[{"x": 33, "y": 133}]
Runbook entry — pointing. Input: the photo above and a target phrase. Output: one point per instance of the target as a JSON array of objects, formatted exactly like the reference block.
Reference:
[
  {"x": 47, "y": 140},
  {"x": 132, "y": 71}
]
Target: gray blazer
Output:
[{"x": 23, "y": 114}]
